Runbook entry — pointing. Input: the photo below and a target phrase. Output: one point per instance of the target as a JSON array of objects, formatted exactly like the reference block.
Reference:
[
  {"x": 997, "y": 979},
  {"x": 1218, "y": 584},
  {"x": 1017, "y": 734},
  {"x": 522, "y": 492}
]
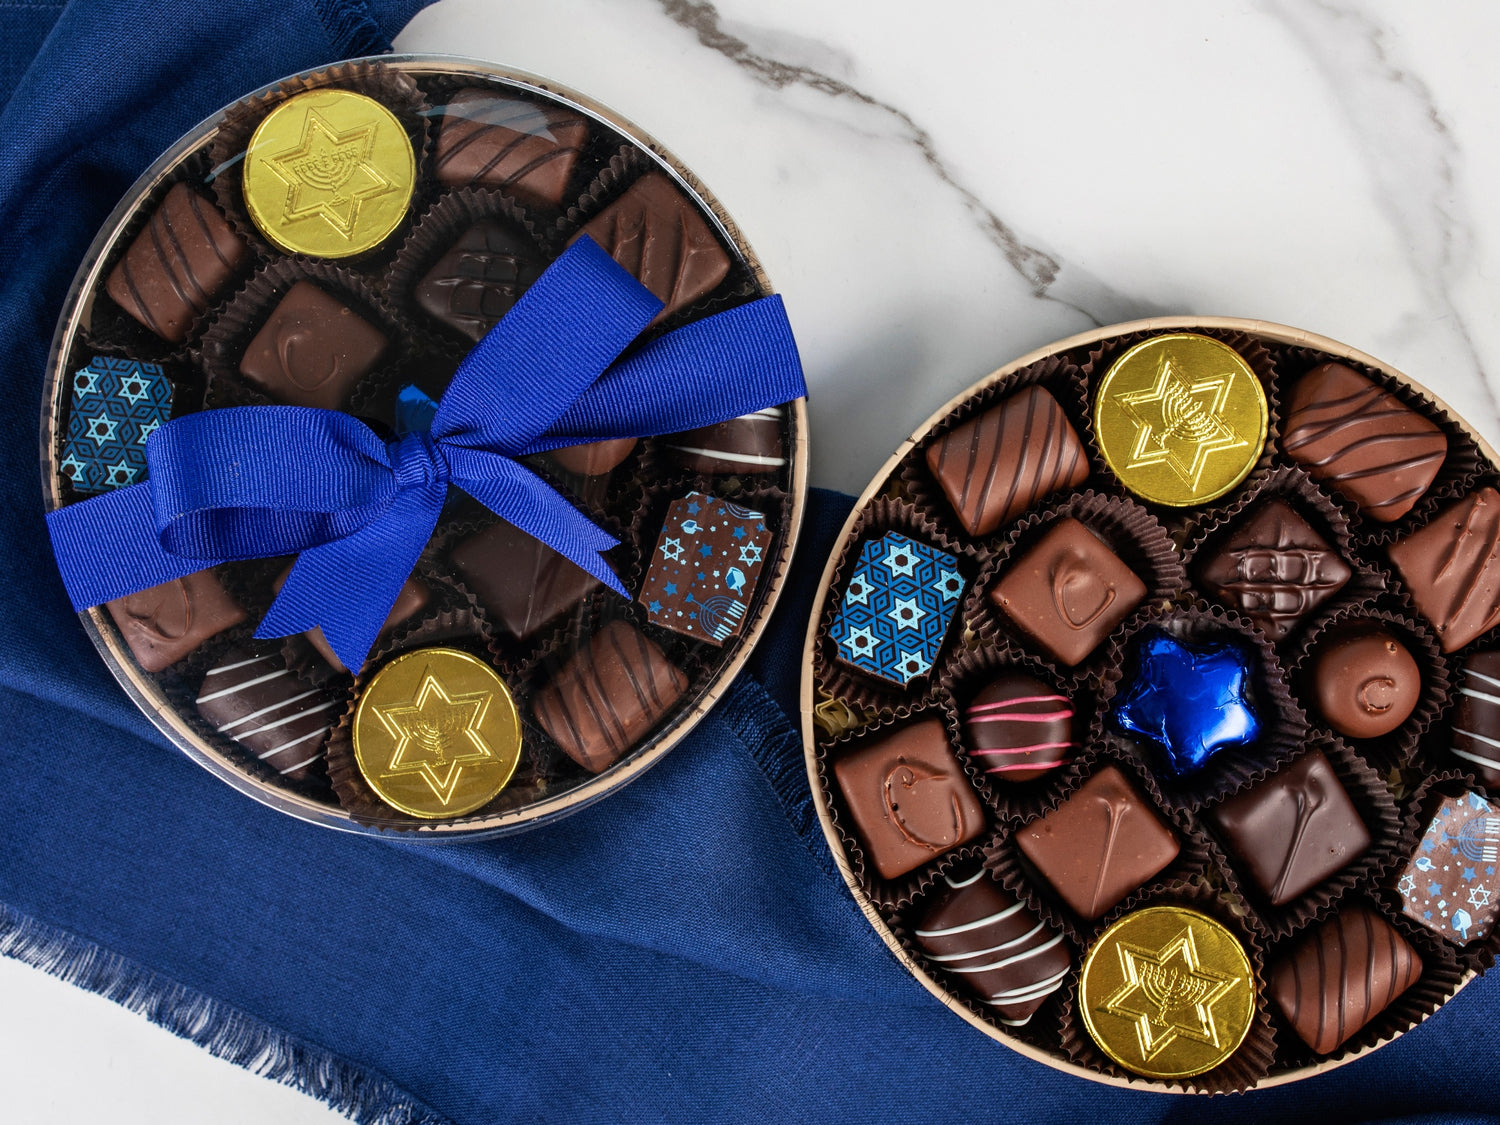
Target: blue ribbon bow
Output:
[{"x": 260, "y": 481}]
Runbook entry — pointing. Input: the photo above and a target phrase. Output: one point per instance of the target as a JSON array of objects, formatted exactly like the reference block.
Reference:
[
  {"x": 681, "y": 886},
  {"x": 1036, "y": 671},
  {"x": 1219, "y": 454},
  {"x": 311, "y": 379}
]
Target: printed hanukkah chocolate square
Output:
[
  {"x": 896, "y": 608},
  {"x": 1067, "y": 591},
  {"x": 909, "y": 798},
  {"x": 1449, "y": 884},
  {"x": 1100, "y": 844},
  {"x": 1294, "y": 829},
  {"x": 705, "y": 568},
  {"x": 116, "y": 405}
]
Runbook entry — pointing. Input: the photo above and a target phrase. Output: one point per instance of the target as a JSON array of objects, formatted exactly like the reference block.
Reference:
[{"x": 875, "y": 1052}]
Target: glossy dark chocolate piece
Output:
[
  {"x": 1365, "y": 681},
  {"x": 1294, "y": 829},
  {"x": 526, "y": 149},
  {"x": 482, "y": 275},
  {"x": 1067, "y": 591},
  {"x": 179, "y": 265},
  {"x": 1341, "y": 976},
  {"x": 1018, "y": 729},
  {"x": 1448, "y": 885},
  {"x": 1360, "y": 439},
  {"x": 521, "y": 582},
  {"x": 608, "y": 695},
  {"x": 1001, "y": 952},
  {"x": 1100, "y": 844},
  {"x": 1475, "y": 735},
  {"x": 595, "y": 458},
  {"x": 281, "y": 719},
  {"x": 1275, "y": 569},
  {"x": 706, "y": 566},
  {"x": 410, "y": 601},
  {"x": 162, "y": 624},
  {"x": 1452, "y": 568},
  {"x": 909, "y": 798},
  {"x": 312, "y": 350},
  {"x": 749, "y": 445},
  {"x": 657, "y": 233},
  {"x": 997, "y": 465}
]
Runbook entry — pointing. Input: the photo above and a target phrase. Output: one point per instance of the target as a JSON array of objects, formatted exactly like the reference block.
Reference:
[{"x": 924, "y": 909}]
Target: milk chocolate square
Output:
[
  {"x": 163, "y": 624},
  {"x": 1452, "y": 568},
  {"x": 526, "y": 149},
  {"x": 312, "y": 350}
]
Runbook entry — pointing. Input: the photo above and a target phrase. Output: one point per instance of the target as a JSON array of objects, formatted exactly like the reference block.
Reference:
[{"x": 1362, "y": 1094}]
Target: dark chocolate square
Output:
[
  {"x": 1068, "y": 591},
  {"x": 909, "y": 798},
  {"x": 521, "y": 582},
  {"x": 1100, "y": 844},
  {"x": 312, "y": 350},
  {"x": 284, "y": 721},
  {"x": 705, "y": 568},
  {"x": 1294, "y": 829},
  {"x": 480, "y": 278}
]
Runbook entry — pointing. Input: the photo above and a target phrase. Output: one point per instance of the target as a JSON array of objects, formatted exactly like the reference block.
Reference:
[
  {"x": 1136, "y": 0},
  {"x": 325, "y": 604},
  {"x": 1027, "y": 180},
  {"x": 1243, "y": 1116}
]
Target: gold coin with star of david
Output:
[
  {"x": 1181, "y": 419},
  {"x": 329, "y": 173},
  {"x": 1167, "y": 992},
  {"x": 436, "y": 733}
]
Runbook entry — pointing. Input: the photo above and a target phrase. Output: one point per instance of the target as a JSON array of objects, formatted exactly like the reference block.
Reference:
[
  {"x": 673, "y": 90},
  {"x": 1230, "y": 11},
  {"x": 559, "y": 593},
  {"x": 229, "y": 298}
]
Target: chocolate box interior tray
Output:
[
  {"x": 342, "y": 239},
  {"x": 1151, "y": 704}
]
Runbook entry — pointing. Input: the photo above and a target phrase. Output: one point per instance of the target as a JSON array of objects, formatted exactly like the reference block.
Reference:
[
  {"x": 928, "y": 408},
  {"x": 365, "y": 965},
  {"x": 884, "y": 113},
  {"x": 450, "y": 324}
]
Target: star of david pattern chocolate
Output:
[
  {"x": 116, "y": 405},
  {"x": 1450, "y": 885},
  {"x": 896, "y": 608},
  {"x": 706, "y": 567}
]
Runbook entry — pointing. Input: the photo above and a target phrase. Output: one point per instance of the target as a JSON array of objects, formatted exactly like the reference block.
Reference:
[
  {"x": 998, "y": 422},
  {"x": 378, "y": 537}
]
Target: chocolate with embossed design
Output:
[
  {"x": 312, "y": 350},
  {"x": 1275, "y": 569},
  {"x": 1100, "y": 844},
  {"x": 1294, "y": 829},
  {"x": 608, "y": 695},
  {"x": 1002, "y": 952},
  {"x": 178, "y": 265},
  {"x": 1452, "y": 568},
  {"x": 526, "y": 149},
  {"x": 997, "y": 465},
  {"x": 909, "y": 798},
  {"x": 163, "y": 624},
  {"x": 657, "y": 233},
  {"x": 1360, "y": 439},
  {"x": 1366, "y": 682},
  {"x": 1067, "y": 591},
  {"x": 1341, "y": 976},
  {"x": 480, "y": 278}
]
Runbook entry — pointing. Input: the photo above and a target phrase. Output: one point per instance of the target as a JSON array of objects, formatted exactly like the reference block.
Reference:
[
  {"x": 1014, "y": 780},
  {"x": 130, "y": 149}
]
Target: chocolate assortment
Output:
[
  {"x": 1218, "y": 703},
  {"x": 341, "y": 240}
]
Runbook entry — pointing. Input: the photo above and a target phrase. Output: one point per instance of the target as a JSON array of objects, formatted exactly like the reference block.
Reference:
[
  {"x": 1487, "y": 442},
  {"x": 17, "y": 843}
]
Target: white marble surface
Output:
[{"x": 937, "y": 191}]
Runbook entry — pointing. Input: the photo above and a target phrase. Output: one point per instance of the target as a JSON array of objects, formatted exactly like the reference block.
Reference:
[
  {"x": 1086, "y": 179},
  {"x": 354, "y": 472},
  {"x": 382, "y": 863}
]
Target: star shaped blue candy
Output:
[{"x": 1191, "y": 700}]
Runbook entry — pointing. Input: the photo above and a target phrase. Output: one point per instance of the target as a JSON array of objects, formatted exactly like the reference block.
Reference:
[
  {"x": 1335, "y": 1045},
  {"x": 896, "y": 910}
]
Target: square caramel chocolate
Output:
[
  {"x": 909, "y": 798},
  {"x": 1100, "y": 844},
  {"x": 1067, "y": 591},
  {"x": 312, "y": 350}
]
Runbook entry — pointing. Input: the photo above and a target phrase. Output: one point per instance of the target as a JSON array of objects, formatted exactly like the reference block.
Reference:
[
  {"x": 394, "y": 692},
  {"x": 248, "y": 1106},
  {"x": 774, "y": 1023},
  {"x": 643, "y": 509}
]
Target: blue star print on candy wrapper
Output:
[
  {"x": 1450, "y": 885},
  {"x": 707, "y": 564},
  {"x": 1189, "y": 699},
  {"x": 117, "y": 404},
  {"x": 897, "y": 608}
]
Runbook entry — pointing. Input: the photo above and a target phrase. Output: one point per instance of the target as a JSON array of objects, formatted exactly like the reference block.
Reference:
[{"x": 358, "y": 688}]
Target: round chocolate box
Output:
[
  {"x": 344, "y": 239},
  {"x": 1151, "y": 704}
]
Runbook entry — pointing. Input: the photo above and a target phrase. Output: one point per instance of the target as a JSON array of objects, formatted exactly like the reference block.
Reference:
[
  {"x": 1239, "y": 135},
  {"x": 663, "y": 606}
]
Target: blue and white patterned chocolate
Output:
[
  {"x": 705, "y": 569},
  {"x": 117, "y": 404},
  {"x": 897, "y": 608},
  {"x": 1449, "y": 885}
]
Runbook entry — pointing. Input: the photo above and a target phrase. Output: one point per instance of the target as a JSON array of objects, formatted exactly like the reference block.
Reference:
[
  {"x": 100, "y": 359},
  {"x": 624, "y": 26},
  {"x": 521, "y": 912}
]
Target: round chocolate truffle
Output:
[
  {"x": 1019, "y": 729},
  {"x": 1366, "y": 682}
]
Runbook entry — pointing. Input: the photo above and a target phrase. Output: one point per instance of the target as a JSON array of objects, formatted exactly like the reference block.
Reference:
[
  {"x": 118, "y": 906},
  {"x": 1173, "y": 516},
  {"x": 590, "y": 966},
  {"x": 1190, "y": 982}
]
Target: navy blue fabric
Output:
[{"x": 681, "y": 952}]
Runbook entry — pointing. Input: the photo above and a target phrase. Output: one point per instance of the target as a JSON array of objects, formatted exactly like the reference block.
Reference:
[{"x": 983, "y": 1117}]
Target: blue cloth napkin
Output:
[{"x": 684, "y": 951}]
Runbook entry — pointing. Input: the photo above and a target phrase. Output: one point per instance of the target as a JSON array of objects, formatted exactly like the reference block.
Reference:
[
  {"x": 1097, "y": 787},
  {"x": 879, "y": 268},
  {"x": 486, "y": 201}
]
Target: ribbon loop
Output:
[{"x": 261, "y": 481}]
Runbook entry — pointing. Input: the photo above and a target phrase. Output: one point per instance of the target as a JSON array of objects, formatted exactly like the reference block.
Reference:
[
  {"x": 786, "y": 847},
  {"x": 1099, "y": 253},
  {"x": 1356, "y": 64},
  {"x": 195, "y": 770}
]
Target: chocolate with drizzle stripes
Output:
[
  {"x": 1361, "y": 440},
  {"x": 526, "y": 149},
  {"x": 178, "y": 265},
  {"x": 993, "y": 467},
  {"x": 608, "y": 695},
  {"x": 280, "y": 718}
]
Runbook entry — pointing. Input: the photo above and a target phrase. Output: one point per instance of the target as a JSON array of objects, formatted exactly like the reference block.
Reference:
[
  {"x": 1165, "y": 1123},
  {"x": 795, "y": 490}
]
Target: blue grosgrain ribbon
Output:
[{"x": 260, "y": 481}]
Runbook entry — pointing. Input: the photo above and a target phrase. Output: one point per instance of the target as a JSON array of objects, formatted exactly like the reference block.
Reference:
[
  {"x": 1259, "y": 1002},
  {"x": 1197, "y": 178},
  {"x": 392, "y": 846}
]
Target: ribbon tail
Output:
[
  {"x": 108, "y": 547},
  {"x": 348, "y": 587},
  {"x": 518, "y": 496}
]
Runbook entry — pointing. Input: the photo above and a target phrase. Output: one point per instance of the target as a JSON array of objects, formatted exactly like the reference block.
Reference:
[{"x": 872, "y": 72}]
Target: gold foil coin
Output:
[
  {"x": 1181, "y": 419},
  {"x": 1167, "y": 992},
  {"x": 329, "y": 173},
  {"x": 436, "y": 733}
]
